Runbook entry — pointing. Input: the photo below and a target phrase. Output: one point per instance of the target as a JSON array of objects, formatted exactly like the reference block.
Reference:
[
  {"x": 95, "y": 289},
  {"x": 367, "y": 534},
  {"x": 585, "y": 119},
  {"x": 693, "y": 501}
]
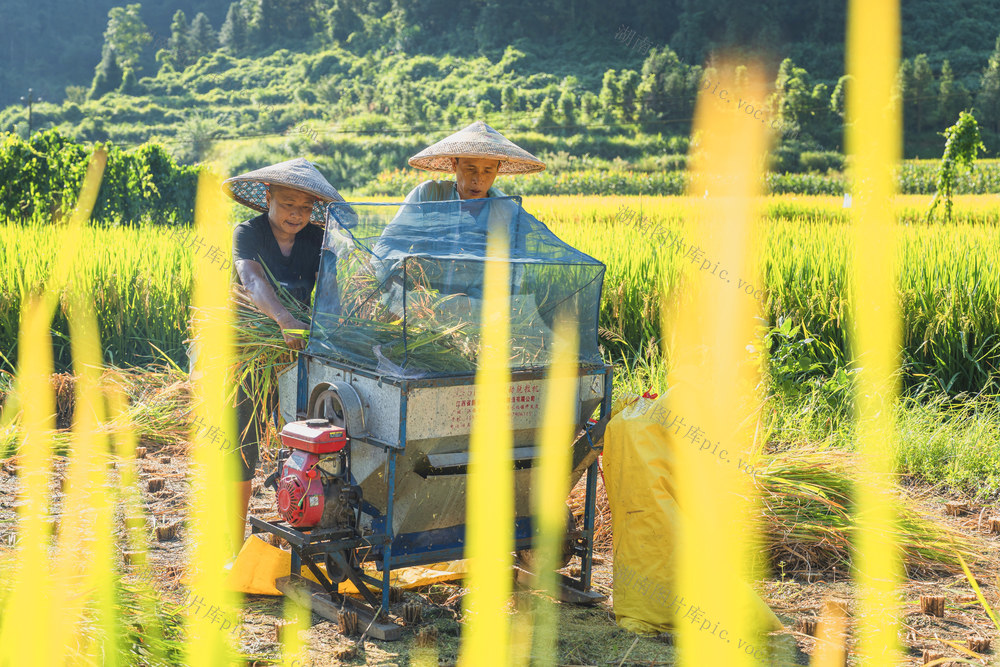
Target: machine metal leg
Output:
[
  {"x": 589, "y": 511},
  {"x": 387, "y": 554}
]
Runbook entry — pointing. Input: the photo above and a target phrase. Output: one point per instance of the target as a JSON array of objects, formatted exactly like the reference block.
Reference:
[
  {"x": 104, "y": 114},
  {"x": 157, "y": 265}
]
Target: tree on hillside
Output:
[
  {"x": 953, "y": 97},
  {"x": 923, "y": 94},
  {"x": 823, "y": 122},
  {"x": 178, "y": 52},
  {"x": 129, "y": 84},
  {"x": 126, "y": 35},
  {"x": 234, "y": 32},
  {"x": 628, "y": 85},
  {"x": 342, "y": 20},
  {"x": 610, "y": 97},
  {"x": 567, "y": 108},
  {"x": 284, "y": 22},
  {"x": 793, "y": 100},
  {"x": 838, "y": 100},
  {"x": 546, "y": 115},
  {"x": 202, "y": 39},
  {"x": 988, "y": 100},
  {"x": 663, "y": 91},
  {"x": 508, "y": 100},
  {"x": 589, "y": 106},
  {"x": 107, "y": 76},
  {"x": 195, "y": 137},
  {"x": 901, "y": 94}
]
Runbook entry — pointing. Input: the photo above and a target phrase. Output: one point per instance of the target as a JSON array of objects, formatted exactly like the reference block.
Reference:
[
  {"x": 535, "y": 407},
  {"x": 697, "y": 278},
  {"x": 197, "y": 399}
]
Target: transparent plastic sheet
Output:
[{"x": 400, "y": 287}]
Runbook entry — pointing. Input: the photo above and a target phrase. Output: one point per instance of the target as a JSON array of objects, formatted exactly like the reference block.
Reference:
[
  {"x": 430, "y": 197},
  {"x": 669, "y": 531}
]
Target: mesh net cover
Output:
[{"x": 400, "y": 287}]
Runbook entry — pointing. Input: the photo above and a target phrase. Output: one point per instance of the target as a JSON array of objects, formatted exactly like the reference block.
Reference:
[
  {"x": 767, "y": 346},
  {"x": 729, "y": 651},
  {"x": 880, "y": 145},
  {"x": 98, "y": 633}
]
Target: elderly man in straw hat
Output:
[
  {"x": 475, "y": 154},
  {"x": 290, "y": 195}
]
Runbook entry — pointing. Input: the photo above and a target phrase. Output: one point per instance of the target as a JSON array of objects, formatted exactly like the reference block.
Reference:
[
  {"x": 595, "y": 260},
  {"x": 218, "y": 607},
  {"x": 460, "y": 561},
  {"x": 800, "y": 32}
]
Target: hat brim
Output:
[
  {"x": 250, "y": 189},
  {"x": 252, "y": 194},
  {"x": 478, "y": 140},
  {"x": 508, "y": 165}
]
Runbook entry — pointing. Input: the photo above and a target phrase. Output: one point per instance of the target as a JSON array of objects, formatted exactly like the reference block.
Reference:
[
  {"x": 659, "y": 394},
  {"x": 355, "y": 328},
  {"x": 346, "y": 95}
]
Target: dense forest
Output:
[
  {"x": 271, "y": 78},
  {"x": 51, "y": 44}
]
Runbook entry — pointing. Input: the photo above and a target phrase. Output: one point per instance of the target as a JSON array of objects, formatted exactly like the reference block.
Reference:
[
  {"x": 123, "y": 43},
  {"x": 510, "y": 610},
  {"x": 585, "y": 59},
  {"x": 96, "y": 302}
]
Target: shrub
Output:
[{"x": 821, "y": 161}]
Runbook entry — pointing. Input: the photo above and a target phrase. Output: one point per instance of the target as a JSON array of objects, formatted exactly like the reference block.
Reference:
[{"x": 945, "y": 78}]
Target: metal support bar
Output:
[
  {"x": 321, "y": 577},
  {"x": 387, "y": 553},
  {"x": 302, "y": 388},
  {"x": 569, "y": 589},
  {"x": 355, "y": 578},
  {"x": 590, "y": 501}
]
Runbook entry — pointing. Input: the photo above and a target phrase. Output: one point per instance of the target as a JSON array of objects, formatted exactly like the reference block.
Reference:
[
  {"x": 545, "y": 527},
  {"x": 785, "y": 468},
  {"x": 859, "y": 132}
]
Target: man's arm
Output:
[{"x": 255, "y": 281}]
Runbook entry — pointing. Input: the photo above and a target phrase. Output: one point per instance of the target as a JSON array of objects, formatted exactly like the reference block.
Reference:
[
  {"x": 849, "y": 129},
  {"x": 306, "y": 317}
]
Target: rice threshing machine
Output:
[{"x": 380, "y": 406}]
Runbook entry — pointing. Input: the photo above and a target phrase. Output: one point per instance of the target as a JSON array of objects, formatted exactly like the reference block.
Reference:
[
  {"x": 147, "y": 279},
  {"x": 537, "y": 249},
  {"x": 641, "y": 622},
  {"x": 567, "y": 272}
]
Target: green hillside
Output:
[{"x": 364, "y": 84}]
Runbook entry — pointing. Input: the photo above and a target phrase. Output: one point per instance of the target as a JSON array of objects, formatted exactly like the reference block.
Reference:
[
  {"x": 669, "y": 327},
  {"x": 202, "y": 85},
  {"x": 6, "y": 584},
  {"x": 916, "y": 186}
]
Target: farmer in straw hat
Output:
[
  {"x": 289, "y": 195},
  {"x": 475, "y": 154}
]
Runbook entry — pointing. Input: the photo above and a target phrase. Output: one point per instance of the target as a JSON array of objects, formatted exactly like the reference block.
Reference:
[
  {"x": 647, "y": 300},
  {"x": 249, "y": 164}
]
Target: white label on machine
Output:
[{"x": 435, "y": 412}]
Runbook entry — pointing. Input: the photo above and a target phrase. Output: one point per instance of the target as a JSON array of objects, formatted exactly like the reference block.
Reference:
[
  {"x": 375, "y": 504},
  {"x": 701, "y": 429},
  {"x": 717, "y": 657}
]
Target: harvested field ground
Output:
[{"x": 588, "y": 636}]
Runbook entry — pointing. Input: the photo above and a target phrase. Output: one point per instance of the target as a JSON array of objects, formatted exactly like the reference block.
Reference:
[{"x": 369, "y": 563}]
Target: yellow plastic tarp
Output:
[
  {"x": 639, "y": 465},
  {"x": 260, "y": 564}
]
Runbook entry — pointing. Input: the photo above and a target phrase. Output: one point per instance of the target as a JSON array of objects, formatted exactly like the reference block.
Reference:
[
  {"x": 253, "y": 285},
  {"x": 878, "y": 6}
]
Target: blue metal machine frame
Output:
[{"x": 392, "y": 552}]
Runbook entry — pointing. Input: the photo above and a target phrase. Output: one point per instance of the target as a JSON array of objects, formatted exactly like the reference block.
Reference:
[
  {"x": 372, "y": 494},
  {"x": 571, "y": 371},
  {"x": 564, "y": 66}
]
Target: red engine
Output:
[{"x": 312, "y": 474}]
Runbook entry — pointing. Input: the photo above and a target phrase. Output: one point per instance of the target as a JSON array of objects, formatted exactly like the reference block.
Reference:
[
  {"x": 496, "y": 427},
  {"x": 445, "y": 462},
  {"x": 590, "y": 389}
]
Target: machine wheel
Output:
[
  {"x": 339, "y": 402},
  {"x": 526, "y": 557},
  {"x": 335, "y": 572},
  {"x": 329, "y": 406}
]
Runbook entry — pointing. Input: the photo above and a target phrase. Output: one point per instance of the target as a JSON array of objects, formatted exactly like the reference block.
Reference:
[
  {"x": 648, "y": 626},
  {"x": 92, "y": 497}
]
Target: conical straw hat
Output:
[
  {"x": 478, "y": 140},
  {"x": 298, "y": 174}
]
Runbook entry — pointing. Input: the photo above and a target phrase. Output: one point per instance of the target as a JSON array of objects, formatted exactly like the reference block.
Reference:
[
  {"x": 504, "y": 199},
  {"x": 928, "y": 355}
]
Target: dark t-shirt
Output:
[{"x": 254, "y": 240}]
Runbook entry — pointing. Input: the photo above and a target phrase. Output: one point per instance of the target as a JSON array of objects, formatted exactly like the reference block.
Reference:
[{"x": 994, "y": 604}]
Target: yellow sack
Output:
[
  {"x": 260, "y": 564},
  {"x": 639, "y": 464}
]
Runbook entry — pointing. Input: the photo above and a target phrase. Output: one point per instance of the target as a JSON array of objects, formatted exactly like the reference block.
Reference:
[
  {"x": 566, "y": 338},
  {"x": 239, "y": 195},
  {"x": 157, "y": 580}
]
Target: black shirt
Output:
[{"x": 254, "y": 240}]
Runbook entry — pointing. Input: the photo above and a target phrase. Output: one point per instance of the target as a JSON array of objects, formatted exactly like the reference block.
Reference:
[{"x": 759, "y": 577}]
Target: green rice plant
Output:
[
  {"x": 948, "y": 288},
  {"x": 142, "y": 281}
]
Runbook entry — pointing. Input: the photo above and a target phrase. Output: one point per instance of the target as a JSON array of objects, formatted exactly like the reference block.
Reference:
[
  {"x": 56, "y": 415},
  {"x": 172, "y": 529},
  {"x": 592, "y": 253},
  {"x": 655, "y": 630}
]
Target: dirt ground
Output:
[{"x": 587, "y": 635}]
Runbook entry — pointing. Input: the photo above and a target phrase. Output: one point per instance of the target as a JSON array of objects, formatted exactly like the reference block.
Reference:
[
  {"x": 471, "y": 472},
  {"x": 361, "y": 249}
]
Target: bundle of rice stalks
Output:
[
  {"x": 261, "y": 350},
  {"x": 149, "y": 628},
  {"x": 807, "y": 512},
  {"x": 420, "y": 320},
  {"x": 807, "y": 522},
  {"x": 63, "y": 385},
  {"x": 159, "y": 411},
  {"x": 146, "y": 628}
]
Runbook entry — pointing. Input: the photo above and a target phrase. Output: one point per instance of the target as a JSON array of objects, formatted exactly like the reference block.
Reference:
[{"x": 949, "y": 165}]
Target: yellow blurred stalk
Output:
[
  {"x": 298, "y": 619},
  {"x": 42, "y": 612},
  {"x": 873, "y": 143},
  {"x": 489, "y": 513},
  {"x": 550, "y": 486},
  {"x": 212, "y": 491},
  {"x": 831, "y": 649},
  {"x": 136, "y": 525},
  {"x": 712, "y": 383}
]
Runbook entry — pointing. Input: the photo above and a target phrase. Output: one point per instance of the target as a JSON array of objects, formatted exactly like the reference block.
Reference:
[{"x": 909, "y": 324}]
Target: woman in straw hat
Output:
[
  {"x": 475, "y": 154},
  {"x": 290, "y": 195}
]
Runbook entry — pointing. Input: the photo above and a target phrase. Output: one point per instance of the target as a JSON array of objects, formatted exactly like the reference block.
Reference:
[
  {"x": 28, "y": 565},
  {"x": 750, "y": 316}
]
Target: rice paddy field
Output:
[{"x": 947, "y": 420}]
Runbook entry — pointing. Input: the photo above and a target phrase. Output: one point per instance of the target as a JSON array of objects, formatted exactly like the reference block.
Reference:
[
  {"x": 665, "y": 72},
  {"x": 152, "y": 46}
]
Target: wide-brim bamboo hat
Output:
[
  {"x": 298, "y": 174},
  {"x": 478, "y": 140}
]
